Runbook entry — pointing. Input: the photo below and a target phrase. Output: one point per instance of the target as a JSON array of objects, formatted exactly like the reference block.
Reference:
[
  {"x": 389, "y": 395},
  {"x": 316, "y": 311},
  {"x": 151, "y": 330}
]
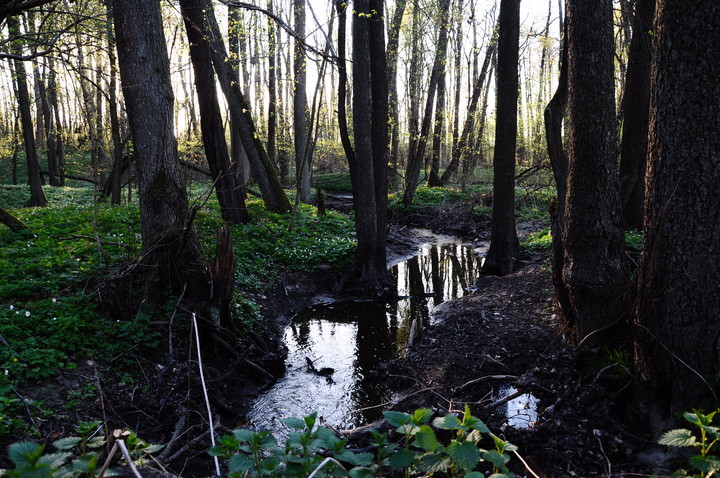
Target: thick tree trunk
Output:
[
  {"x": 230, "y": 193},
  {"x": 592, "y": 234},
  {"x": 504, "y": 243},
  {"x": 678, "y": 300},
  {"x": 145, "y": 74},
  {"x": 636, "y": 106}
]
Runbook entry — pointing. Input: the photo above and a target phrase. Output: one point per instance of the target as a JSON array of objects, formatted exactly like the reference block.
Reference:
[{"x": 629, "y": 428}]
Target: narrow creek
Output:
[{"x": 348, "y": 342}]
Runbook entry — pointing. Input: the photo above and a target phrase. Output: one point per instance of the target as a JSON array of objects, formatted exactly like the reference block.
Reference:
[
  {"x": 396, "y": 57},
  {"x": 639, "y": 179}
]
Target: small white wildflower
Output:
[
  {"x": 27, "y": 313},
  {"x": 12, "y": 307},
  {"x": 54, "y": 318},
  {"x": 7, "y": 372},
  {"x": 54, "y": 299}
]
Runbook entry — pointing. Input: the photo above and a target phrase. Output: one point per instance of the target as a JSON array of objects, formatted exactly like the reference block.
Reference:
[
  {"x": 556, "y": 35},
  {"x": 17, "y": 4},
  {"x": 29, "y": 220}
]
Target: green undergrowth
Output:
[
  {"x": 454, "y": 445},
  {"x": 49, "y": 278},
  {"x": 541, "y": 241}
]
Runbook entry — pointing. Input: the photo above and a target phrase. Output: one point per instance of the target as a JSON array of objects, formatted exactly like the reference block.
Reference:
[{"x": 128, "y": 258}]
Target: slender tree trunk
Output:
[
  {"x": 679, "y": 280},
  {"x": 303, "y": 167},
  {"x": 393, "y": 112},
  {"x": 592, "y": 234},
  {"x": 237, "y": 51},
  {"x": 416, "y": 159},
  {"x": 50, "y": 129},
  {"x": 461, "y": 146},
  {"x": 504, "y": 243},
  {"x": 272, "y": 87},
  {"x": 37, "y": 196},
  {"x": 263, "y": 170},
  {"x": 636, "y": 107},
  {"x": 434, "y": 176},
  {"x": 230, "y": 194}
]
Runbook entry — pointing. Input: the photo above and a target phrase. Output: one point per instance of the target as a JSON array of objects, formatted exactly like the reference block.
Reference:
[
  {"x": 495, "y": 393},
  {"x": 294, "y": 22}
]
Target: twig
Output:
[
  {"x": 108, "y": 460},
  {"x": 187, "y": 445},
  {"x": 205, "y": 394},
  {"x": 325, "y": 462},
  {"x": 101, "y": 241},
  {"x": 602, "y": 450},
  {"x": 597, "y": 331},
  {"x": 126, "y": 453},
  {"x": 505, "y": 399},
  {"x": 527, "y": 467},
  {"x": 485, "y": 379}
]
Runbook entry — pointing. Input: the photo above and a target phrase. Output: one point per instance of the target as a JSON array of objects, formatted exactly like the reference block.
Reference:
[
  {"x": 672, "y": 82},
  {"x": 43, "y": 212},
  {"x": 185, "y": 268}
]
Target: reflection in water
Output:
[
  {"x": 353, "y": 338},
  {"x": 521, "y": 411}
]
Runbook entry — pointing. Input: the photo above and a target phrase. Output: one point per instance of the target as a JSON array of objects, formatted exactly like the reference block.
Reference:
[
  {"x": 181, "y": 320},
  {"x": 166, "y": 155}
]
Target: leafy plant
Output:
[
  {"x": 317, "y": 451},
  {"x": 539, "y": 241},
  {"x": 704, "y": 462}
]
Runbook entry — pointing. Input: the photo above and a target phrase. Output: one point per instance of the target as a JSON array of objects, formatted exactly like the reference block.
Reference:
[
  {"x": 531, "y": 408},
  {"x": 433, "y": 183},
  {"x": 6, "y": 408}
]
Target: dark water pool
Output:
[{"x": 354, "y": 339}]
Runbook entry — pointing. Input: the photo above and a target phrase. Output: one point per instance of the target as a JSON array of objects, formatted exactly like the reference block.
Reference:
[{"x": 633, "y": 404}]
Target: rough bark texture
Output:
[
  {"x": 145, "y": 75},
  {"x": 679, "y": 283},
  {"x": 636, "y": 101},
  {"x": 504, "y": 242},
  {"x": 592, "y": 233},
  {"x": 230, "y": 193}
]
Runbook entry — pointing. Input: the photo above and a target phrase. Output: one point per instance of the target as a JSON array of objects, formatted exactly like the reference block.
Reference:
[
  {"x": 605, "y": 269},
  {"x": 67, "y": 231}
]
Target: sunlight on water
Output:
[
  {"x": 521, "y": 411},
  {"x": 354, "y": 338}
]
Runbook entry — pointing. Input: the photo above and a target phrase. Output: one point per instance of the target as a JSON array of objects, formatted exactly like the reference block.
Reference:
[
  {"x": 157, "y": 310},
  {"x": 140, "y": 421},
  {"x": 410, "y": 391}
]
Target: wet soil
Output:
[{"x": 505, "y": 333}]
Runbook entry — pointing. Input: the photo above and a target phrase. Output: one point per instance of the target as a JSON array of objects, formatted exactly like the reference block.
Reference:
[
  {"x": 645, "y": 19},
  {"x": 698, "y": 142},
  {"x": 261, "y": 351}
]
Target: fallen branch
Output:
[
  {"x": 15, "y": 224},
  {"x": 103, "y": 242},
  {"x": 486, "y": 378}
]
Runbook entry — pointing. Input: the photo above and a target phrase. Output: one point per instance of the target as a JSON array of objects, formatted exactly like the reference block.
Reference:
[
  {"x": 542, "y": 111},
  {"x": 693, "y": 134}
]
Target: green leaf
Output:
[
  {"x": 678, "y": 437},
  {"x": 362, "y": 472},
  {"x": 66, "y": 443},
  {"x": 243, "y": 434},
  {"x": 401, "y": 459},
  {"x": 294, "y": 423},
  {"x": 25, "y": 452},
  {"x": 55, "y": 460},
  {"x": 310, "y": 420},
  {"x": 430, "y": 463},
  {"x": 421, "y": 415},
  {"x": 707, "y": 464},
  {"x": 496, "y": 458},
  {"x": 240, "y": 463},
  {"x": 475, "y": 474},
  {"x": 425, "y": 438},
  {"x": 397, "y": 419},
  {"x": 355, "y": 459},
  {"x": 448, "y": 422},
  {"x": 476, "y": 424},
  {"x": 464, "y": 454},
  {"x": 95, "y": 442},
  {"x": 153, "y": 448},
  {"x": 499, "y": 475}
]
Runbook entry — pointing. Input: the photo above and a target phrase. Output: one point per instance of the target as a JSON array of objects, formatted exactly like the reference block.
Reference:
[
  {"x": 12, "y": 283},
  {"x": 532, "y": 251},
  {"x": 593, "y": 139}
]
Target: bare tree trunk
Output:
[
  {"x": 230, "y": 194},
  {"x": 263, "y": 171},
  {"x": 393, "y": 112},
  {"x": 303, "y": 169},
  {"x": 592, "y": 234},
  {"x": 504, "y": 243},
  {"x": 272, "y": 87},
  {"x": 636, "y": 109},
  {"x": 679, "y": 280},
  {"x": 37, "y": 196},
  {"x": 417, "y": 155}
]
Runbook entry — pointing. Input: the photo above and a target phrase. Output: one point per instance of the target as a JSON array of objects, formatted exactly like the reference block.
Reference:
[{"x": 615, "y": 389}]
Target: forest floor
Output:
[{"x": 503, "y": 334}]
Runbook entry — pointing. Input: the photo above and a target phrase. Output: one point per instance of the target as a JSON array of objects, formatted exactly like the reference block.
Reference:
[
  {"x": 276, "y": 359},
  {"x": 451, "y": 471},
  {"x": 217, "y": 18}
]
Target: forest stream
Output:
[{"x": 338, "y": 352}]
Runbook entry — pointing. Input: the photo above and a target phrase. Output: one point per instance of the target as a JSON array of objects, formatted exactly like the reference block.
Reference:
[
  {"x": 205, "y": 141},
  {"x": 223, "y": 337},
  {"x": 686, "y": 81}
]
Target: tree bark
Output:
[
  {"x": 37, "y": 196},
  {"x": 145, "y": 75},
  {"x": 393, "y": 108},
  {"x": 592, "y": 234},
  {"x": 263, "y": 170},
  {"x": 230, "y": 193},
  {"x": 504, "y": 243},
  {"x": 303, "y": 168},
  {"x": 636, "y": 108},
  {"x": 679, "y": 280}
]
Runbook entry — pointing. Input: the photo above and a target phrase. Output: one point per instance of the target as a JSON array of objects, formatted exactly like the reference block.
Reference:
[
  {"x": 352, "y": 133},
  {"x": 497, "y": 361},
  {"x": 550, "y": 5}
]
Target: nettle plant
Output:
[
  {"x": 704, "y": 462},
  {"x": 312, "y": 450}
]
